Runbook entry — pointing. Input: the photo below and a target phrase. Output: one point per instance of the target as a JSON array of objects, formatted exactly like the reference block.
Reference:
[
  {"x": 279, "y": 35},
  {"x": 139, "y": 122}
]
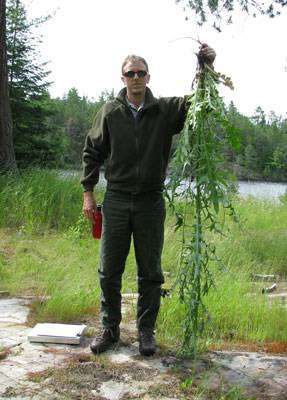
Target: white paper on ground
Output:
[{"x": 56, "y": 333}]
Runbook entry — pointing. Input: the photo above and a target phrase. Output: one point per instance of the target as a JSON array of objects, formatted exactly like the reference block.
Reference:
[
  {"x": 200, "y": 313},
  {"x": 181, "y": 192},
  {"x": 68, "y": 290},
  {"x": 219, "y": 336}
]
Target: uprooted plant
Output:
[{"x": 199, "y": 194}]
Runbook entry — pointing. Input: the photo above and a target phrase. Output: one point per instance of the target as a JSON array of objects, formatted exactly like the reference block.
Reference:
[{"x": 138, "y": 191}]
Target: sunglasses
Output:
[{"x": 131, "y": 74}]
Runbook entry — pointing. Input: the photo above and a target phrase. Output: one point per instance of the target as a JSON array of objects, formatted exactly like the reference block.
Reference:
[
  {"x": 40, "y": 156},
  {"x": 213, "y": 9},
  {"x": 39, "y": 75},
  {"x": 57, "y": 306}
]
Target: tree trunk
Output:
[{"x": 7, "y": 156}]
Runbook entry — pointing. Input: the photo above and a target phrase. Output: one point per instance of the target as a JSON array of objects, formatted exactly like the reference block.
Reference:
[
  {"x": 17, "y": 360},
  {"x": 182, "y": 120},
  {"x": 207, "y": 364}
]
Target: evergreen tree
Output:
[{"x": 35, "y": 143}]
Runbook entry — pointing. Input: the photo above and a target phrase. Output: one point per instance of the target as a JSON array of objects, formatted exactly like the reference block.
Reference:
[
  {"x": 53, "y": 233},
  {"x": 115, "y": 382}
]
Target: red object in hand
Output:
[{"x": 97, "y": 223}]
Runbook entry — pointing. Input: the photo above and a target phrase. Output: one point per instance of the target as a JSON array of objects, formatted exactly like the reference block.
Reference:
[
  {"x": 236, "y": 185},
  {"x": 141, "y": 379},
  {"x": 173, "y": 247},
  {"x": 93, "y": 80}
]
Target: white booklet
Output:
[{"x": 56, "y": 333}]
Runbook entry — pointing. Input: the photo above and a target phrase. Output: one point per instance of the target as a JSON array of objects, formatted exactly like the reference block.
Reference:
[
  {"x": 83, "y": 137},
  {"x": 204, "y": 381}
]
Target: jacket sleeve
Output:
[
  {"x": 96, "y": 150},
  {"x": 177, "y": 110}
]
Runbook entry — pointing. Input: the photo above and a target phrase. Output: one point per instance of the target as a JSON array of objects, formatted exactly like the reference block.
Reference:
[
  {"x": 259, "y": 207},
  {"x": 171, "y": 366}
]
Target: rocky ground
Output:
[{"x": 45, "y": 371}]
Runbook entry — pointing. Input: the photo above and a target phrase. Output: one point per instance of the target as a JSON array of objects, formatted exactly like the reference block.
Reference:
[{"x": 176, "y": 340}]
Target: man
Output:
[{"x": 133, "y": 135}]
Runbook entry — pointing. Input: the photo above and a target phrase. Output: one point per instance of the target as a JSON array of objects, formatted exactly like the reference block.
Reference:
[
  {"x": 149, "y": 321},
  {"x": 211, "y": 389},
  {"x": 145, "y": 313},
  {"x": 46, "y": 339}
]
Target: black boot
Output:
[
  {"x": 147, "y": 345},
  {"x": 108, "y": 338}
]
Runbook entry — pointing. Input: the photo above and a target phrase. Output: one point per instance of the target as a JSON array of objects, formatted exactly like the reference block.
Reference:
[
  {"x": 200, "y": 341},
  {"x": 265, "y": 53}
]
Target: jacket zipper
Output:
[
  {"x": 137, "y": 150},
  {"x": 136, "y": 122}
]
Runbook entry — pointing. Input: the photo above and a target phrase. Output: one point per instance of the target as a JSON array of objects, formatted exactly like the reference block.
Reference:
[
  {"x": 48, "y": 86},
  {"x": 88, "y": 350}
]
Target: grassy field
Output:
[{"x": 46, "y": 250}]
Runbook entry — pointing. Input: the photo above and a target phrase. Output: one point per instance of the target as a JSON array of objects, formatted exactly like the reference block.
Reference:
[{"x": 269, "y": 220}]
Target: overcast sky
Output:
[{"x": 87, "y": 41}]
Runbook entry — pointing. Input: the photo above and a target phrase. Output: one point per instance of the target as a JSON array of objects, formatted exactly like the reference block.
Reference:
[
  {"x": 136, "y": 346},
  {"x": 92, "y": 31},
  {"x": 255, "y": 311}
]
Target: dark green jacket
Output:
[{"x": 135, "y": 150}]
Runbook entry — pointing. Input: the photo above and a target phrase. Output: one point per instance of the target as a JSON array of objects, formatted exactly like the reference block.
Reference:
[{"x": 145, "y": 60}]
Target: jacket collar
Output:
[{"x": 149, "y": 100}]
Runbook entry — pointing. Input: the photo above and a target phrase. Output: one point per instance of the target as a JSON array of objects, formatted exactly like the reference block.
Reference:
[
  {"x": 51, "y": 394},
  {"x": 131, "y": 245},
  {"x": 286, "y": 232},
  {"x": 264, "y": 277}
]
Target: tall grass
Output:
[
  {"x": 38, "y": 199},
  {"x": 46, "y": 249}
]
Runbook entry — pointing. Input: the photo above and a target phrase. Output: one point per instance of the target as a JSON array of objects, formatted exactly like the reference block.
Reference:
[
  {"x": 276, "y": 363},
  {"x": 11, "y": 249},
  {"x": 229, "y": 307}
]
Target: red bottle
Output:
[{"x": 97, "y": 223}]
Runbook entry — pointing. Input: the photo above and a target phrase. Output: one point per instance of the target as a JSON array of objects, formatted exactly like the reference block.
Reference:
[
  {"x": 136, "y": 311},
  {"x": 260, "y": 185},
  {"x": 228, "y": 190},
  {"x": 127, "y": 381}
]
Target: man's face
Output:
[{"x": 136, "y": 85}]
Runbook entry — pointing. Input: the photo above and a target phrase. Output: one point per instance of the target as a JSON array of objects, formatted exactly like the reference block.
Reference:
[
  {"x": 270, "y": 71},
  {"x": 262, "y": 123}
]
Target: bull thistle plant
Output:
[{"x": 199, "y": 205}]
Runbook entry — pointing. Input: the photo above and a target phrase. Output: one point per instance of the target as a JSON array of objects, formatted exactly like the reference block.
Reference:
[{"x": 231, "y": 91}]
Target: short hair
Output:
[{"x": 133, "y": 57}]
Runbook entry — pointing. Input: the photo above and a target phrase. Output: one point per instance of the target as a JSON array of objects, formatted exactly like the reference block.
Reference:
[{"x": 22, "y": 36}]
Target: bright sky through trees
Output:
[{"x": 87, "y": 41}]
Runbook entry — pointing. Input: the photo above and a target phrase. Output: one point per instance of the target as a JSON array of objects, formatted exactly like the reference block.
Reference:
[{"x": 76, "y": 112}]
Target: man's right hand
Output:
[
  {"x": 206, "y": 54},
  {"x": 89, "y": 205}
]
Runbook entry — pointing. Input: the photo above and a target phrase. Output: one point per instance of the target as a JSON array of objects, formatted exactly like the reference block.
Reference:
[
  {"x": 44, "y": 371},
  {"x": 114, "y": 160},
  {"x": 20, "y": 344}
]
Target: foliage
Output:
[
  {"x": 218, "y": 10},
  {"x": 199, "y": 155}
]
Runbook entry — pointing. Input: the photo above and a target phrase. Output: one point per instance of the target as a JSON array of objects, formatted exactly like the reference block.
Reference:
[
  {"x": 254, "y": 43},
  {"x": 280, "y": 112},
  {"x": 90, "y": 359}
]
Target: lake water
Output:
[
  {"x": 259, "y": 190},
  {"x": 262, "y": 190}
]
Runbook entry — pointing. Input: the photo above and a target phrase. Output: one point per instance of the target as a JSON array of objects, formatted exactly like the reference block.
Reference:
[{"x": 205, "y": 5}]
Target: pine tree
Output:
[{"x": 35, "y": 143}]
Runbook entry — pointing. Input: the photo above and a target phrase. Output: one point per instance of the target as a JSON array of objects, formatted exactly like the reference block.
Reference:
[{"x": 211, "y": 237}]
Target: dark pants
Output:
[{"x": 141, "y": 215}]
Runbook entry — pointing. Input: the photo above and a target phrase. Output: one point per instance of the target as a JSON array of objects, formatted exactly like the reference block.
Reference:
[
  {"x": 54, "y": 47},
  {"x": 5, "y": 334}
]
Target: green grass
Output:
[{"x": 47, "y": 250}]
